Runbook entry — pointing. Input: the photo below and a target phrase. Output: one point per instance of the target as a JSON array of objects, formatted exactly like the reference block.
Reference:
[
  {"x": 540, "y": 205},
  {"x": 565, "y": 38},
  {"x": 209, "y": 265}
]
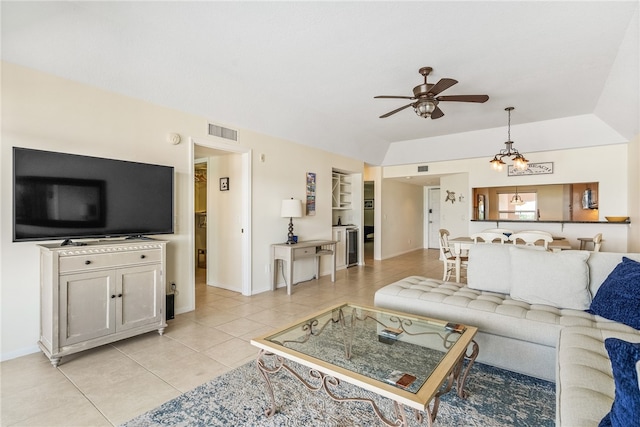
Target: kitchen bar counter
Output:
[{"x": 548, "y": 222}]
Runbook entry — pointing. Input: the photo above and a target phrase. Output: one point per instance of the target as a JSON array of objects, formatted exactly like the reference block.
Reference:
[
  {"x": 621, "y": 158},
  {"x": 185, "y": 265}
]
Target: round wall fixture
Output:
[{"x": 174, "y": 138}]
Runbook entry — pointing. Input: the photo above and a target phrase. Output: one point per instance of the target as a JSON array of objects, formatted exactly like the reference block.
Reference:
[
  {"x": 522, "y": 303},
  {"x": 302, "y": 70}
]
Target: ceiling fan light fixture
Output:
[
  {"x": 425, "y": 108},
  {"x": 519, "y": 161}
]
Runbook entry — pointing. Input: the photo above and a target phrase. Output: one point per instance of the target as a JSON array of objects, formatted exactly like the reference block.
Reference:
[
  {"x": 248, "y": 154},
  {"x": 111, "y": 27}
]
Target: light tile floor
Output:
[{"x": 114, "y": 383}]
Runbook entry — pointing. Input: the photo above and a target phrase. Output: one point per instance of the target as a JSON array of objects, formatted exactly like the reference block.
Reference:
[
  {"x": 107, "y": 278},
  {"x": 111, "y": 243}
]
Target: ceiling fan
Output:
[{"x": 426, "y": 101}]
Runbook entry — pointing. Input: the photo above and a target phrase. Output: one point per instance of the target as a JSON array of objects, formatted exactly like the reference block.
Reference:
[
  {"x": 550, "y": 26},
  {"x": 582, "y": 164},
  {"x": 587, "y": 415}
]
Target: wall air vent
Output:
[
  {"x": 423, "y": 168},
  {"x": 221, "y": 132}
]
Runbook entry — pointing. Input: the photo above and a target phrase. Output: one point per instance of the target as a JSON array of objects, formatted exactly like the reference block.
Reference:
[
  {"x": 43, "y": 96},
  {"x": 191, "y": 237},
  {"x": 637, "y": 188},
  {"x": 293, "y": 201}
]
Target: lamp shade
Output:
[{"x": 291, "y": 208}]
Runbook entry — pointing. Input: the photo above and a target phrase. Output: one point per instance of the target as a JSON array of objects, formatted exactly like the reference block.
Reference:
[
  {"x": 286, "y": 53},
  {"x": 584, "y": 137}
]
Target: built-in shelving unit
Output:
[{"x": 341, "y": 190}]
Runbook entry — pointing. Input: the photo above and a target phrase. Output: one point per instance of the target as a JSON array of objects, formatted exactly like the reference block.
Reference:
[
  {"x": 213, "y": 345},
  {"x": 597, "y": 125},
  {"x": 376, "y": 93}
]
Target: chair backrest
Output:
[
  {"x": 597, "y": 242},
  {"x": 546, "y": 233},
  {"x": 489, "y": 237},
  {"x": 445, "y": 249},
  {"x": 504, "y": 231},
  {"x": 530, "y": 238}
]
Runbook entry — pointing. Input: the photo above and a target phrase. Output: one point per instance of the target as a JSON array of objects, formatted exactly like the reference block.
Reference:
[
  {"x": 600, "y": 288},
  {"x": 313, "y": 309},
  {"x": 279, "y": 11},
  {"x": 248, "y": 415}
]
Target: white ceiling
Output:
[{"x": 308, "y": 71}]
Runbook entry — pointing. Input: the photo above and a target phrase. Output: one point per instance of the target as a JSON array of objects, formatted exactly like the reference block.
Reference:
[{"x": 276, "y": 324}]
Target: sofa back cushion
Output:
[
  {"x": 601, "y": 264},
  {"x": 488, "y": 268},
  {"x": 558, "y": 279}
]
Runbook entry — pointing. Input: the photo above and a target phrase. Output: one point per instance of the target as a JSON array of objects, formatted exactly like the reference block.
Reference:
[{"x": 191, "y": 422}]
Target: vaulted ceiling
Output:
[{"x": 308, "y": 71}]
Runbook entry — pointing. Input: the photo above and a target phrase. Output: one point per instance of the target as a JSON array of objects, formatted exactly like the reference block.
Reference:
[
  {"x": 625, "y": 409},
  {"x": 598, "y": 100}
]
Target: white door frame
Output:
[{"x": 246, "y": 205}]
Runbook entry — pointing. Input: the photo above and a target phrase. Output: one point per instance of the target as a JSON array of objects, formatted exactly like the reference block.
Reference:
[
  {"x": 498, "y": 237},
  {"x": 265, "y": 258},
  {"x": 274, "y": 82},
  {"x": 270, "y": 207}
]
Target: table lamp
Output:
[{"x": 291, "y": 208}]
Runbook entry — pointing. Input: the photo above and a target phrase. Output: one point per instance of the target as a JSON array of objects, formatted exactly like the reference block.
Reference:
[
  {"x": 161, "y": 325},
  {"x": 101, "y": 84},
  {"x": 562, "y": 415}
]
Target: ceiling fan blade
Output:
[
  {"x": 395, "y": 111},
  {"x": 464, "y": 98},
  {"x": 395, "y": 97},
  {"x": 443, "y": 84},
  {"x": 437, "y": 113}
]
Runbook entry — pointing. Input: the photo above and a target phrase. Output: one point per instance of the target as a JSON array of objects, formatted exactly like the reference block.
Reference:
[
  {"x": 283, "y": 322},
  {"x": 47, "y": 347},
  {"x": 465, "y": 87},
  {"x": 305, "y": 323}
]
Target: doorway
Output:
[
  {"x": 222, "y": 217},
  {"x": 200, "y": 226},
  {"x": 368, "y": 226}
]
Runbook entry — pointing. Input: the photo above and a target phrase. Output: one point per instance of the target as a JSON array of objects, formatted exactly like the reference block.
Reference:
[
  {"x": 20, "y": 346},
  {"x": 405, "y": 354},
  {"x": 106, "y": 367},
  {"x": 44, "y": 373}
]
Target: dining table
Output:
[{"x": 460, "y": 244}]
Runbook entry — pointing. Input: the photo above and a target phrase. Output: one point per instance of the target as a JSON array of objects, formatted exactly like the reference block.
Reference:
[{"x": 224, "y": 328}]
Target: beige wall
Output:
[
  {"x": 454, "y": 216},
  {"x": 616, "y": 179},
  {"x": 401, "y": 218},
  {"x": 46, "y": 112},
  {"x": 633, "y": 194}
]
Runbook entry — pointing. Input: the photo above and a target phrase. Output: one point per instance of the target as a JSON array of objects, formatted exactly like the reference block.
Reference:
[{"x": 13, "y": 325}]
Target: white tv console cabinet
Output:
[{"x": 99, "y": 293}]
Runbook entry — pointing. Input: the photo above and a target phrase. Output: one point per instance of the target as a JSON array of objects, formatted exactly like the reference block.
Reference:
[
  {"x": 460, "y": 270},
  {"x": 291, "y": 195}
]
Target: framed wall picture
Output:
[
  {"x": 368, "y": 203},
  {"x": 224, "y": 184},
  {"x": 311, "y": 193}
]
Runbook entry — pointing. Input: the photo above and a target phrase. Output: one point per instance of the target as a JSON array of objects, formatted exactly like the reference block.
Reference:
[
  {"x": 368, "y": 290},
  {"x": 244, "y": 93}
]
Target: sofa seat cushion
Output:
[
  {"x": 585, "y": 387},
  {"x": 491, "y": 312}
]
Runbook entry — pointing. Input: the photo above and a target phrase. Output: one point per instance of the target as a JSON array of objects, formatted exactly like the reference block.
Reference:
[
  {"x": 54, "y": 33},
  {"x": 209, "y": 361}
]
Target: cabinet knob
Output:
[
  {"x": 87, "y": 262},
  {"x": 143, "y": 256},
  {"x": 119, "y": 295},
  {"x": 113, "y": 296}
]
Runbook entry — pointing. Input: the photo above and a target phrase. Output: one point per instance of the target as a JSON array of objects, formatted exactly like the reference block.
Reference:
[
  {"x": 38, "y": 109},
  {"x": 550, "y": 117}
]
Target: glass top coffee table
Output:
[{"x": 410, "y": 359}]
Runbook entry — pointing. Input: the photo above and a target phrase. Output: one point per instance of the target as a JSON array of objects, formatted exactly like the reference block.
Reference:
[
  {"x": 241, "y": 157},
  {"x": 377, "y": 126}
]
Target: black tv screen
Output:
[{"x": 65, "y": 196}]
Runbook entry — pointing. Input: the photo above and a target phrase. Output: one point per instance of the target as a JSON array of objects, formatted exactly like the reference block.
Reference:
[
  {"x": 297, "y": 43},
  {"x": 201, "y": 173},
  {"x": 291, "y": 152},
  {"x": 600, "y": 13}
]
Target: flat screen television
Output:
[{"x": 67, "y": 196}]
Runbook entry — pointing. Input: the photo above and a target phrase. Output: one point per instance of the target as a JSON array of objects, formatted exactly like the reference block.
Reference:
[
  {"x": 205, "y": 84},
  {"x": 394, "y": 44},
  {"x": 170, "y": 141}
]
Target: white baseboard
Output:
[{"x": 19, "y": 353}]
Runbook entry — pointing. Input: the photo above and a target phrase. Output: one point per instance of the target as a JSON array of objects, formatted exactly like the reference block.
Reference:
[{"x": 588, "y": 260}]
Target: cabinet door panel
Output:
[
  {"x": 341, "y": 247},
  {"x": 141, "y": 301},
  {"x": 86, "y": 306}
]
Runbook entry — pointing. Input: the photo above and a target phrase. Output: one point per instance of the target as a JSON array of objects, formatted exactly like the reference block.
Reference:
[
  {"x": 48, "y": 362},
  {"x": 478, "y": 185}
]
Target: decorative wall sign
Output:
[
  {"x": 224, "y": 184},
  {"x": 311, "y": 193},
  {"x": 532, "y": 169},
  {"x": 368, "y": 203}
]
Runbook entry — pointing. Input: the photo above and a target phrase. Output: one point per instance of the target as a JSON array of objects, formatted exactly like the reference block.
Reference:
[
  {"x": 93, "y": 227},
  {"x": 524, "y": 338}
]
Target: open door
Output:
[{"x": 227, "y": 248}]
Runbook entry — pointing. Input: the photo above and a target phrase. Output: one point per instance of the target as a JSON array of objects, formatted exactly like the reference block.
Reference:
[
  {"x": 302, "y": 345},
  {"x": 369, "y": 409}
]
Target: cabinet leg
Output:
[
  {"x": 160, "y": 331},
  {"x": 55, "y": 361}
]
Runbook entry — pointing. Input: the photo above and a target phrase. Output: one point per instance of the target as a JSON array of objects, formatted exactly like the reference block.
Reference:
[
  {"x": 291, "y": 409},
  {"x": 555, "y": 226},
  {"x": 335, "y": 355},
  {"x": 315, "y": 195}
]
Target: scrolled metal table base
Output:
[
  {"x": 458, "y": 375},
  {"x": 324, "y": 382}
]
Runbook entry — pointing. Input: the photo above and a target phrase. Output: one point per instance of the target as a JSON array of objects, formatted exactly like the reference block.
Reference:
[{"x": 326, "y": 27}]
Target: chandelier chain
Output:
[{"x": 509, "y": 127}]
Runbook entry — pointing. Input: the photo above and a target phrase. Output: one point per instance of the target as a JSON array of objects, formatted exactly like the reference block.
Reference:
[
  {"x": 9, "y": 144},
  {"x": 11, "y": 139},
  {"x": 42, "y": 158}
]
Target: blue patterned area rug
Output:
[{"x": 238, "y": 398}]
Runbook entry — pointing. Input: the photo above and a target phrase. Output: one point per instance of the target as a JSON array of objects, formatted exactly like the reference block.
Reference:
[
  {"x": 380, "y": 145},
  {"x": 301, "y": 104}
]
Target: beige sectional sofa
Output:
[{"x": 529, "y": 307}]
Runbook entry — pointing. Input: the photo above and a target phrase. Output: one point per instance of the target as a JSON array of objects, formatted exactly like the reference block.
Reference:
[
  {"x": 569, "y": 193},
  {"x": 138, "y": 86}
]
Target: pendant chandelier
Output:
[
  {"x": 519, "y": 162},
  {"x": 517, "y": 199}
]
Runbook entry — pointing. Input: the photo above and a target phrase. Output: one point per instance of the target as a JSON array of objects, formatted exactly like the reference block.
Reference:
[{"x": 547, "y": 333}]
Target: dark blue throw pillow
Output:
[
  {"x": 625, "y": 411},
  {"x": 619, "y": 295}
]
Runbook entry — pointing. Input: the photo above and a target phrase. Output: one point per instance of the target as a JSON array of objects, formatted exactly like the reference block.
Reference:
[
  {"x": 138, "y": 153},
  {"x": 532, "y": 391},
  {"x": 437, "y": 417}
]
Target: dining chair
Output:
[
  {"x": 530, "y": 238},
  {"x": 489, "y": 237},
  {"x": 596, "y": 240},
  {"x": 449, "y": 257}
]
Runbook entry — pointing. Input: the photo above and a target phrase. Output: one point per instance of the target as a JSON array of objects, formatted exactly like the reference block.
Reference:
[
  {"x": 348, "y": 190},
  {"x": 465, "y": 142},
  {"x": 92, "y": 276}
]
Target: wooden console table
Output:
[{"x": 301, "y": 250}]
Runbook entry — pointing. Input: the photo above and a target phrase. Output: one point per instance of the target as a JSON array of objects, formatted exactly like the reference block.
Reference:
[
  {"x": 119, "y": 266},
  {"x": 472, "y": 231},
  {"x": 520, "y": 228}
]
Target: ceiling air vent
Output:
[
  {"x": 423, "y": 168},
  {"x": 221, "y": 132}
]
